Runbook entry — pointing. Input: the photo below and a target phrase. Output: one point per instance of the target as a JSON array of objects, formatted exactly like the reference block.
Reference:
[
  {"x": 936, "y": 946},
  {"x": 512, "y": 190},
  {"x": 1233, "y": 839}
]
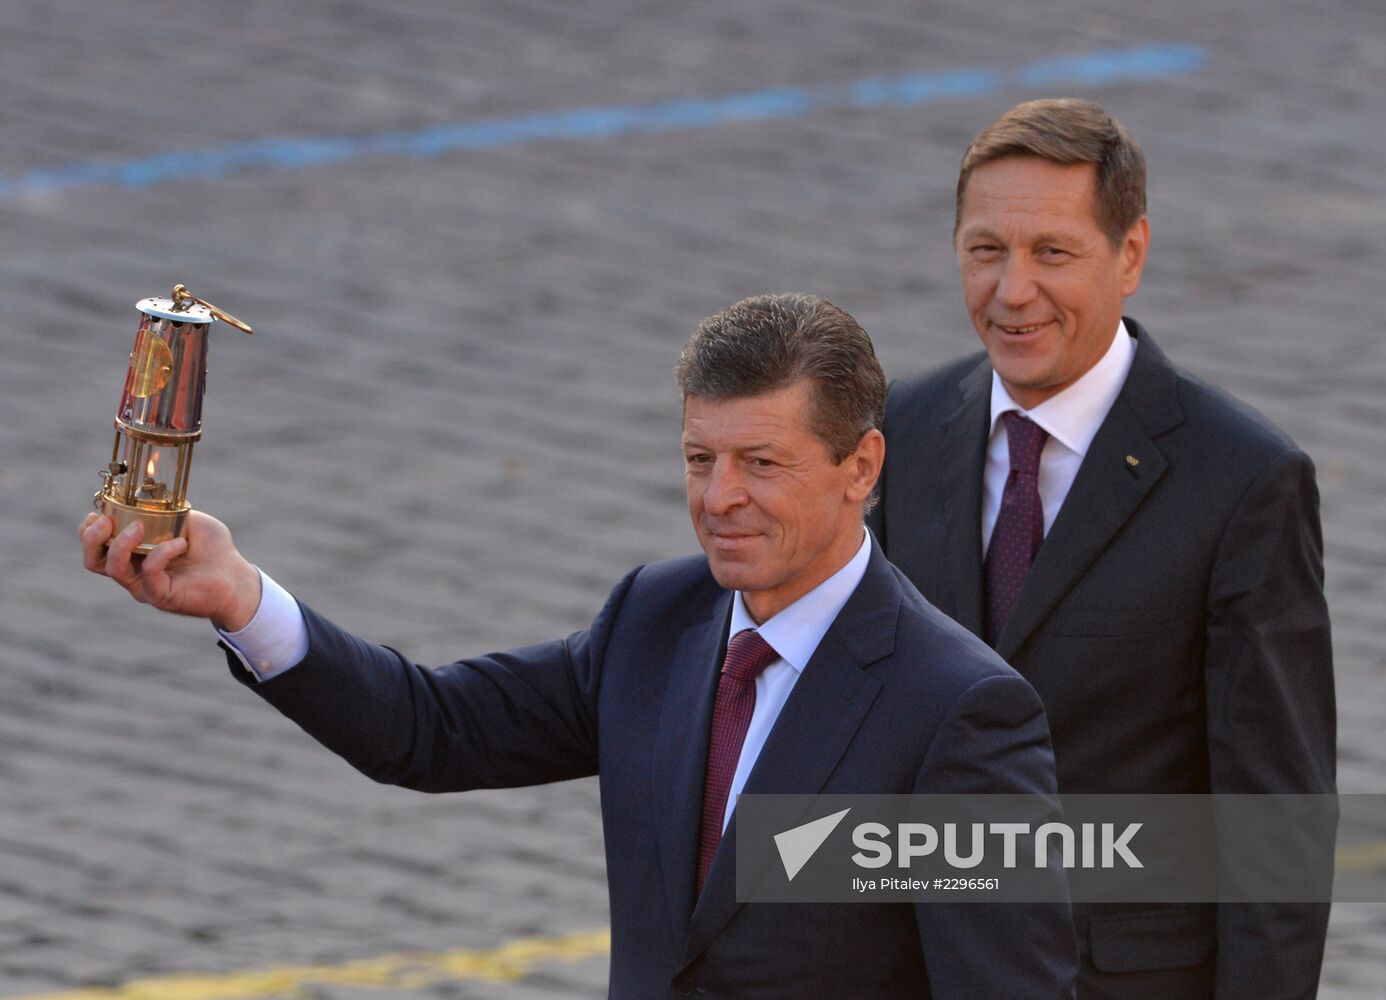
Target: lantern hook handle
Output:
[{"x": 182, "y": 297}]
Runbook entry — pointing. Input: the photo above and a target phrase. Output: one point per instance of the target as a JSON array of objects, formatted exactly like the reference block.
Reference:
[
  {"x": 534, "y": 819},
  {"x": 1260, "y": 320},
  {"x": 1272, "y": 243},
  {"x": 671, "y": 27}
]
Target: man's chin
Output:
[
  {"x": 1024, "y": 379},
  {"x": 732, "y": 574},
  {"x": 1017, "y": 363}
]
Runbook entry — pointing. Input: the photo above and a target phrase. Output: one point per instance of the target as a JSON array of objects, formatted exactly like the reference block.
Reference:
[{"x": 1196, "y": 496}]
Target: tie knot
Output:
[
  {"x": 747, "y": 655},
  {"x": 1025, "y": 439}
]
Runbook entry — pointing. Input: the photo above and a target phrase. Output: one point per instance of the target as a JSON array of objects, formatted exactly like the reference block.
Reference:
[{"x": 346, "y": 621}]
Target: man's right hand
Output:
[{"x": 202, "y": 575}]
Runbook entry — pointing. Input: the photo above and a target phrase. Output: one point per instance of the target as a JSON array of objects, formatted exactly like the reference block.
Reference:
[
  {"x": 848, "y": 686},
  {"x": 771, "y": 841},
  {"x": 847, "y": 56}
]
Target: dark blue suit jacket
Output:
[
  {"x": 896, "y": 699},
  {"x": 1173, "y": 622}
]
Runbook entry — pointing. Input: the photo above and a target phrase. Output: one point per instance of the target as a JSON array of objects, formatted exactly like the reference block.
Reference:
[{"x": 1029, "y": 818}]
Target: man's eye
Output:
[
  {"x": 984, "y": 251},
  {"x": 696, "y": 459},
  {"x": 762, "y": 463},
  {"x": 1054, "y": 253}
]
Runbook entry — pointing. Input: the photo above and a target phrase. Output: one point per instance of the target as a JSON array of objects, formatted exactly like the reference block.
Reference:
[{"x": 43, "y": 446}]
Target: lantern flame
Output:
[{"x": 149, "y": 466}]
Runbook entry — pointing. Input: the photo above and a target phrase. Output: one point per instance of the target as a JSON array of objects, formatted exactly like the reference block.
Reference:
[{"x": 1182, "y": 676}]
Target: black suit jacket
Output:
[
  {"x": 1173, "y": 623},
  {"x": 897, "y": 699}
]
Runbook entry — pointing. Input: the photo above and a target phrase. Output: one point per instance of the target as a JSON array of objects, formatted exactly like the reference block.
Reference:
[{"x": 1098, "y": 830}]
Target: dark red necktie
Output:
[
  {"x": 747, "y": 655},
  {"x": 1019, "y": 523}
]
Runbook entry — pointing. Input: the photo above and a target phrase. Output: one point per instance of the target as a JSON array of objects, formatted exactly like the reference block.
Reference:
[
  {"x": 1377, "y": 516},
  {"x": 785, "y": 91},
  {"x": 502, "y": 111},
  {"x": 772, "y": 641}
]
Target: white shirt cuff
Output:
[{"x": 276, "y": 638}]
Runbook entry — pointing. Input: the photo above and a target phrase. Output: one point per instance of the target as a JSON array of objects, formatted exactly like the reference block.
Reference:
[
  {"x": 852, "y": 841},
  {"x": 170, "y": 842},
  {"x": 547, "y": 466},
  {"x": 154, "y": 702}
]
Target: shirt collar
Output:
[
  {"x": 1073, "y": 415},
  {"x": 798, "y": 629}
]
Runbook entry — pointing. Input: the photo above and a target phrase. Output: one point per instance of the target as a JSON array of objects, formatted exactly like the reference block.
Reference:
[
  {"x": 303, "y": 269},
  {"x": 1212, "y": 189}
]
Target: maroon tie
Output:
[
  {"x": 747, "y": 655},
  {"x": 1019, "y": 523}
]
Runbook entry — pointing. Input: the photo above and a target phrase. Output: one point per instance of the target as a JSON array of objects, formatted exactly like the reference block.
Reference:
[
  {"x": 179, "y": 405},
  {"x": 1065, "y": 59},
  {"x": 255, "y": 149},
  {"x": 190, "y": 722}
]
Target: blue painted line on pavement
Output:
[{"x": 283, "y": 153}]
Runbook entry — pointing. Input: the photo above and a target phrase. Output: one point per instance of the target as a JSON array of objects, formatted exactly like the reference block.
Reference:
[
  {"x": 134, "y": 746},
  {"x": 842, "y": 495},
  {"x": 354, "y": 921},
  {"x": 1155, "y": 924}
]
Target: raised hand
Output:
[{"x": 202, "y": 575}]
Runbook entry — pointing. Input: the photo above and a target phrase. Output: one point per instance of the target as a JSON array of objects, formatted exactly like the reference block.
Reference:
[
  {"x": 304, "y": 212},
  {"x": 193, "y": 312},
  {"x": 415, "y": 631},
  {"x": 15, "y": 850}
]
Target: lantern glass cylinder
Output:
[
  {"x": 155, "y": 476},
  {"x": 158, "y": 421}
]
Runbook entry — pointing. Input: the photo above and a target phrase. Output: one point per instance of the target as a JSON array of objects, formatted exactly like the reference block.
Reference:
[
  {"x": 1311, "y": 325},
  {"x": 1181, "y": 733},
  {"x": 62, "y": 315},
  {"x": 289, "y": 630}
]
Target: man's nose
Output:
[
  {"x": 1016, "y": 286},
  {"x": 726, "y": 488}
]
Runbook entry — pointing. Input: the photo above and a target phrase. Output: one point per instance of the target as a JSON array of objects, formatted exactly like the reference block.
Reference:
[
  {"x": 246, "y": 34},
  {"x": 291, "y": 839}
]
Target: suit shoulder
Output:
[
  {"x": 684, "y": 571},
  {"x": 671, "y": 583},
  {"x": 1208, "y": 416},
  {"x": 1212, "y": 410},
  {"x": 1205, "y": 431},
  {"x": 1221, "y": 432},
  {"x": 951, "y": 651},
  {"x": 935, "y": 384},
  {"x": 958, "y": 676}
]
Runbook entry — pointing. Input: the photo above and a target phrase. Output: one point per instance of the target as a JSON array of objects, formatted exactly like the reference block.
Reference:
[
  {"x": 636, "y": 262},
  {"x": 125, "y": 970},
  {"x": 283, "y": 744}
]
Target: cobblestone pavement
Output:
[{"x": 456, "y": 425}]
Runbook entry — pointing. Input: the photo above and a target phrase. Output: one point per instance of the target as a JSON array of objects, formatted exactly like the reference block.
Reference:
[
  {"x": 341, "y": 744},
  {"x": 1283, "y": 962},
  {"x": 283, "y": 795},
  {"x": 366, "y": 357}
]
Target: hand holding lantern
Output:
[{"x": 160, "y": 417}]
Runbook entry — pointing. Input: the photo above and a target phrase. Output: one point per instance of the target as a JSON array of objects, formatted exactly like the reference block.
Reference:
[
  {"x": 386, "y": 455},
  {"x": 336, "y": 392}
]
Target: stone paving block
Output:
[
  {"x": 456, "y": 426},
  {"x": 61, "y": 963}
]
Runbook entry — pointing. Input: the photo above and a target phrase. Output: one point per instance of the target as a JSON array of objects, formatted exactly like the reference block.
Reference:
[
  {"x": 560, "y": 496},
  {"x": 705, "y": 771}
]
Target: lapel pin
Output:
[{"x": 1131, "y": 462}]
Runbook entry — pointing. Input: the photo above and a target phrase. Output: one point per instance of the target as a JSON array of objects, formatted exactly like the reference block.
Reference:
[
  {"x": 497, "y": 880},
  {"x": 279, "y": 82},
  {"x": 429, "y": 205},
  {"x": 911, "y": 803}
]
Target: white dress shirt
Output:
[
  {"x": 794, "y": 634},
  {"x": 1071, "y": 417},
  {"x": 276, "y": 639}
]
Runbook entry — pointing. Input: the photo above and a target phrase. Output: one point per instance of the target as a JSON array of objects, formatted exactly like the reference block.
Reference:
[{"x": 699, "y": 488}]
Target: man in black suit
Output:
[
  {"x": 1143, "y": 548},
  {"x": 858, "y": 686}
]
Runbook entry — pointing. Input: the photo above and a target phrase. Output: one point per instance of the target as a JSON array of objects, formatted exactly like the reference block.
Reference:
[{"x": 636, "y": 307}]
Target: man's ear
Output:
[
  {"x": 866, "y": 464},
  {"x": 1133, "y": 249}
]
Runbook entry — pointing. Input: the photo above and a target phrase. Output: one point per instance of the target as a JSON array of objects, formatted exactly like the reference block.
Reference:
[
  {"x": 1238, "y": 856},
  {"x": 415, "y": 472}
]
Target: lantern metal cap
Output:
[
  {"x": 164, "y": 309},
  {"x": 185, "y": 307}
]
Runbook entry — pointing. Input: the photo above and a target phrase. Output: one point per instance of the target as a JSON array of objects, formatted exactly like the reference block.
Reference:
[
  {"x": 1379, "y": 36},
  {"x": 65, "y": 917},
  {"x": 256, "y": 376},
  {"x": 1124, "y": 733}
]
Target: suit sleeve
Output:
[
  {"x": 1271, "y": 714},
  {"x": 522, "y": 717},
  {"x": 996, "y": 741}
]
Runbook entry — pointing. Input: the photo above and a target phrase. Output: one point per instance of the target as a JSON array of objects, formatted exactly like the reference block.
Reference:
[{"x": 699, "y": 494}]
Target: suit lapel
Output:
[
  {"x": 1122, "y": 465},
  {"x": 965, "y": 432},
  {"x": 814, "y": 729},
  {"x": 680, "y": 761}
]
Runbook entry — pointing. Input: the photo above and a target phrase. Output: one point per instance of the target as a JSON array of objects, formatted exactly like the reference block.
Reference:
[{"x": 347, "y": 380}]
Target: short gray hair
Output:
[
  {"x": 1067, "y": 131},
  {"x": 770, "y": 342}
]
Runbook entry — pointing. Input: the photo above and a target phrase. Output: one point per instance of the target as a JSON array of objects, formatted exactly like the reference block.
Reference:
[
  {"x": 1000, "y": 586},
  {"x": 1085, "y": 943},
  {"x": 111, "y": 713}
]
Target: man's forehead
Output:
[
  {"x": 1029, "y": 183},
  {"x": 773, "y": 414}
]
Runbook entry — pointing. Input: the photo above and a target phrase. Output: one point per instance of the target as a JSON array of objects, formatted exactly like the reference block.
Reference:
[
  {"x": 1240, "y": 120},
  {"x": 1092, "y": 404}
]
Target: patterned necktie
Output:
[
  {"x": 747, "y": 655},
  {"x": 1019, "y": 523}
]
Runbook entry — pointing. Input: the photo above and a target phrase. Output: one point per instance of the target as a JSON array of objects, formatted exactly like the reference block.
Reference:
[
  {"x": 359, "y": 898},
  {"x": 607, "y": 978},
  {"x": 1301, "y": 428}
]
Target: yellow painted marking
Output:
[
  {"x": 506, "y": 963},
  {"x": 1368, "y": 857}
]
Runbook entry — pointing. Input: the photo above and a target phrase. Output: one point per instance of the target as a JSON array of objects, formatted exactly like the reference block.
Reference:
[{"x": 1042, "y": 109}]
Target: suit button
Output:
[{"x": 683, "y": 986}]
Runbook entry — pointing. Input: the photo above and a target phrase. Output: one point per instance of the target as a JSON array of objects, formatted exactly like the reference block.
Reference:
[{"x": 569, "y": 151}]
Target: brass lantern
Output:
[{"x": 160, "y": 417}]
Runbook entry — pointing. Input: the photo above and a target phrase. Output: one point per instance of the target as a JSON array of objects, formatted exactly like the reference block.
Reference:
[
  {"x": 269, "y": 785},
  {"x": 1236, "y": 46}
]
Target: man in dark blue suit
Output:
[
  {"x": 1143, "y": 548},
  {"x": 837, "y": 677}
]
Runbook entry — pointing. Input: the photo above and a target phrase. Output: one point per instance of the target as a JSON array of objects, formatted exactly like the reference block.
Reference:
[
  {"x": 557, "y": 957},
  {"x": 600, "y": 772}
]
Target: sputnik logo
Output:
[{"x": 799, "y": 844}]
